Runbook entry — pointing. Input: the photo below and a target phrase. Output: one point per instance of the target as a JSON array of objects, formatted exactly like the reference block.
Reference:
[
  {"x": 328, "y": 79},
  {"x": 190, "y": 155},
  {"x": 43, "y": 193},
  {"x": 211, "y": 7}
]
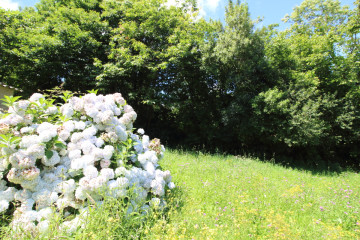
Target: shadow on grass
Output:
[{"x": 313, "y": 164}]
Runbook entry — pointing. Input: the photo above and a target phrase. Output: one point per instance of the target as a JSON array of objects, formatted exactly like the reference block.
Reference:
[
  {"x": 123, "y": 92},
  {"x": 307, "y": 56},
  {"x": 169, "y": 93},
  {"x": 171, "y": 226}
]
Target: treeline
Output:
[{"x": 234, "y": 87}]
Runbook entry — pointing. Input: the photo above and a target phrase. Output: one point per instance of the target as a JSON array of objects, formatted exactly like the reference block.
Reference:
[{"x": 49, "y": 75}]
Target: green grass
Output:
[{"x": 227, "y": 197}]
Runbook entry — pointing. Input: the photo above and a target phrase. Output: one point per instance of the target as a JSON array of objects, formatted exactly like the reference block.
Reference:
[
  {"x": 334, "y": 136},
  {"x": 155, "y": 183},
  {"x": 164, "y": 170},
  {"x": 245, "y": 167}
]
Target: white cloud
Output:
[
  {"x": 209, "y": 4},
  {"x": 203, "y": 5},
  {"x": 9, "y": 5}
]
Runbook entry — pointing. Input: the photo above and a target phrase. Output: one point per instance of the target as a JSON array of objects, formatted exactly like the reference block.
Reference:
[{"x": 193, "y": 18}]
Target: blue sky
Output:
[{"x": 272, "y": 10}]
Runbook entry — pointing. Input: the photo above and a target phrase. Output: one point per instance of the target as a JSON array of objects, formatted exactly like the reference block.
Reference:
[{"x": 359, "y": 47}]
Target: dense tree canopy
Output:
[{"x": 233, "y": 87}]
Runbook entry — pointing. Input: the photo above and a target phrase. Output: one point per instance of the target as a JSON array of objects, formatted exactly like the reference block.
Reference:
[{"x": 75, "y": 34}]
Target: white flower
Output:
[
  {"x": 145, "y": 141},
  {"x": 101, "y": 123},
  {"x": 45, "y": 213},
  {"x": 69, "y": 126},
  {"x": 76, "y": 137},
  {"x": 91, "y": 111},
  {"x": 28, "y": 118},
  {"x": 106, "y": 116},
  {"x": 67, "y": 110},
  {"x": 108, "y": 173},
  {"x": 51, "y": 110},
  {"x": 87, "y": 147},
  {"x": 21, "y": 105},
  {"x": 30, "y": 174},
  {"x": 30, "y": 184},
  {"x": 128, "y": 109},
  {"x": 43, "y": 198},
  {"x": 65, "y": 201},
  {"x": 36, "y": 97},
  {"x": 8, "y": 194},
  {"x": 148, "y": 156},
  {"x": 4, "y": 205},
  {"x": 36, "y": 150},
  {"x": 89, "y": 132},
  {"x": 119, "y": 99},
  {"x": 99, "y": 142},
  {"x": 149, "y": 167},
  {"x": 80, "y": 193},
  {"x": 27, "y": 204},
  {"x": 27, "y": 130},
  {"x": 97, "y": 183},
  {"x": 121, "y": 132},
  {"x": 63, "y": 152},
  {"x": 105, "y": 163},
  {"x": 157, "y": 186},
  {"x": 43, "y": 226},
  {"x": 45, "y": 126},
  {"x": 64, "y": 135},
  {"x": 46, "y": 131},
  {"x": 167, "y": 176},
  {"x": 55, "y": 159},
  {"x": 108, "y": 152},
  {"x": 90, "y": 172},
  {"x": 120, "y": 171},
  {"x": 22, "y": 195},
  {"x": 2, "y": 185},
  {"x": 83, "y": 162},
  {"x": 49, "y": 177},
  {"x": 67, "y": 187},
  {"x": 171, "y": 185},
  {"x": 117, "y": 188},
  {"x": 84, "y": 183},
  {"x": 74, "y": 154},
  {"x": 77, "y": 103},
  {"x": 80, "y": 125}
]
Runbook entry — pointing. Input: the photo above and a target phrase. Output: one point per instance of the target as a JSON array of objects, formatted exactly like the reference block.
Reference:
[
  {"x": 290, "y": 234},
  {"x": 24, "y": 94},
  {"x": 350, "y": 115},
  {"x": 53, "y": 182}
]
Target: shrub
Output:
[{"x": 62, "y": 158}]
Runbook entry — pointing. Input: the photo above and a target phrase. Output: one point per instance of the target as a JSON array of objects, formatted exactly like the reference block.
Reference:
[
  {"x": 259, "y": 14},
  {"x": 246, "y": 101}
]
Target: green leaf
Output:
[
  {"x": 60, "y": 145},
  {"x": 48, "y": 153},
  {"x": 93, "y": 91}
]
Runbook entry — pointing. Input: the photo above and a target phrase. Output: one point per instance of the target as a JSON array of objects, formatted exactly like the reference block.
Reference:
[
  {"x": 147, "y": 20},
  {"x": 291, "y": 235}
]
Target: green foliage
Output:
[
  {"x": 8, "y": 140},
  {"x": 196, "y": 83},
  {"x": 9, "y": 100},
  {"x": 292, "y": 116},
  {"x": 313, "y": 105}
]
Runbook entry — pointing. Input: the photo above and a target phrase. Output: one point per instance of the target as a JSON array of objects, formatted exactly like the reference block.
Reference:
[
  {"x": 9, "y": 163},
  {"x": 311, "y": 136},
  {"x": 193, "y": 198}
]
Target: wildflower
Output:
[{"x": 141, "y": 131}]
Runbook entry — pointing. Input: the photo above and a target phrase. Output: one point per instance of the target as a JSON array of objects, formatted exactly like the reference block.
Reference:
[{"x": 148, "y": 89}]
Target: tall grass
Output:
[{"x": 228, "y": 197}]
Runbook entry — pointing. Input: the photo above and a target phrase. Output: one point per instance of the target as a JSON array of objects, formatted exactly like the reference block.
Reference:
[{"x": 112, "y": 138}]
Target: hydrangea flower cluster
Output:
[{"x": 61, "y": 158}]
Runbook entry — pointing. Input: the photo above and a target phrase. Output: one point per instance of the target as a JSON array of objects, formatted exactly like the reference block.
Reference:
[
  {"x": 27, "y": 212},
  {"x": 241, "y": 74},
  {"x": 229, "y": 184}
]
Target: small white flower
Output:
[
  {"x": 36, "y": 97},
  {"x": 171, "y": 185},
  {"x": 80, "y": 125},
  {"x": 55, "y": 159},
  {"x": 90, "y": 172},
  {"x": 108, "y": 173},
  {"x": 4, "y": 205},
  {"x": 51, "y": 110},
  {"x": 67, "y": 110}
]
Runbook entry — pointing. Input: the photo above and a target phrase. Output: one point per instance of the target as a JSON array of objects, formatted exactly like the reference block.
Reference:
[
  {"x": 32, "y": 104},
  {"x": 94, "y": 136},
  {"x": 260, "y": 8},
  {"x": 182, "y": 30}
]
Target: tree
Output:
[
  {"x": 311, "y": 108},
  {"x": 237, "y": 63}
]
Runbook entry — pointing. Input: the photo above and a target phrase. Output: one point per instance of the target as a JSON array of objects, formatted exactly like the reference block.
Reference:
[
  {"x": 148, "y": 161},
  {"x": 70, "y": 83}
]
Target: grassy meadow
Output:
[{"x": 228, "y": 197}]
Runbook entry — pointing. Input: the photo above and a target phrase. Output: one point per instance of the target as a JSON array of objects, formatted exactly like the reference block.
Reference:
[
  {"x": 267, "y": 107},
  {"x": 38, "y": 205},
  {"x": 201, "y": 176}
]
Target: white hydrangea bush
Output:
[{"x": 61, "y": 158}]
